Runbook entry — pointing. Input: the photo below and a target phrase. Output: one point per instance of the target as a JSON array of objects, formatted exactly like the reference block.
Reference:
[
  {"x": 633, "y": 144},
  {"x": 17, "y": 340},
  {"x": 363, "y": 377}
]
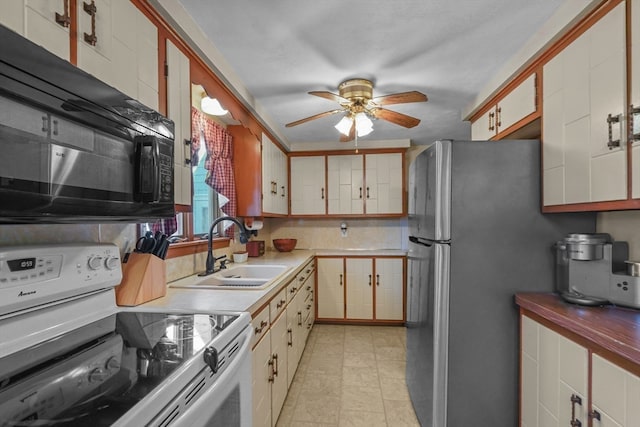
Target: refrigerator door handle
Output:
[{"x": 427, "y": 242}]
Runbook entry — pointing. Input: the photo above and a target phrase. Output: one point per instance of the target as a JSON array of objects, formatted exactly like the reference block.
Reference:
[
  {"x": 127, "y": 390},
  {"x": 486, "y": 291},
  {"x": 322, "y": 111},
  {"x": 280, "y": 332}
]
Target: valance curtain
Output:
[{"x": 219, "y": 160}]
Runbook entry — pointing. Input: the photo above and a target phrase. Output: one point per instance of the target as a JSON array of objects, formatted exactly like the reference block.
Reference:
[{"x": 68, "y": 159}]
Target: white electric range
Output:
[{"x": 69, "y": 356}]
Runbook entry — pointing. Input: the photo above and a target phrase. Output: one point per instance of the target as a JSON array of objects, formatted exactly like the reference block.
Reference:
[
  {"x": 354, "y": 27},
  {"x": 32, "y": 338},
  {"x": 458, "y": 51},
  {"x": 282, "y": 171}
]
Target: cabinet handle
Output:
[
  {"x": 281, "y": 303},
  {"x": 634, "y": 123},
  {"x": 299, "y": 318},
  {"x": 491, "y": 115},
  {"x": 290, "y": 341},
  {"x": 45, "y": 123},
  {"x": 274, "y": 187},
  {"x": 610, "y": 121},
  {"x": 91, "y": 10},
  {"x": 64, "y": 20},
  {"x": 322, "y": 189},
  {"x": 302, "y": 279},
  {"x": 377, "y": 280},
  {"x": 309, "y": 287},
  {"x": 498, "y": 120},
  {"x": 283, "y": 191},
  {"x": 575, "y": 399},
  {"x": 272, "y": 374},
  {"x": 341, "y": 280},
  {"x": 258, "y": 329},
  {"x": 55, "y": 127},
  {"x": 361, "y": 192},
  {"x": 594, "y": 415},
  {"x": 308, "y": 306},
  {"x": 369, "y": 280},
  {"x": 367, "y": 192},
  {"x": 275, "y": 365},
  {"x": 293, "y": 290}
]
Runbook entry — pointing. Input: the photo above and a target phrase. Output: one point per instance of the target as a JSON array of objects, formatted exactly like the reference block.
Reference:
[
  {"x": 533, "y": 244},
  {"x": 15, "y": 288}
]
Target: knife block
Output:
[{"x": 144, "y": 278}]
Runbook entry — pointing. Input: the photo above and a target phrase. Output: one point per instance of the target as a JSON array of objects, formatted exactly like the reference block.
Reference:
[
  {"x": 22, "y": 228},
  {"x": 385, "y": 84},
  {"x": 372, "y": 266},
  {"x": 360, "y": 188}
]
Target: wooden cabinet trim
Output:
[{"x": 190, "y": 248}]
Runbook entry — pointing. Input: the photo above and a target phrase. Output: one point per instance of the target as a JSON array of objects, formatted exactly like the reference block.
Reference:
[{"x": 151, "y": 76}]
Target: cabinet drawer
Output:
[
  {"x": 277, "y": 305},
  {"x": 260, "y": 325},
  {"x": 293, "y": 287}
]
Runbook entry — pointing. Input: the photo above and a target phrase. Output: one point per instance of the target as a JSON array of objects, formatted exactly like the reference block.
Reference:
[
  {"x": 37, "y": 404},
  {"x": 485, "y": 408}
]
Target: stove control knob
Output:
[
  {"x": 97, "y": 375},
  {"x": 95, "y": 262},
  {"x": 112, "y": 262},
  {"x": 112, "y": 364}
]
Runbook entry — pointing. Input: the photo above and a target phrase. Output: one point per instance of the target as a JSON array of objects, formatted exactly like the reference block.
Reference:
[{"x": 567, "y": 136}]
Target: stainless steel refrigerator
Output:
[{"x": 476, "y": 238}]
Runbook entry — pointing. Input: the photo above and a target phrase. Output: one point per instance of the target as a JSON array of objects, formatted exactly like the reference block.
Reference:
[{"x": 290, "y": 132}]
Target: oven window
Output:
[{"x": 228, "y": 415}]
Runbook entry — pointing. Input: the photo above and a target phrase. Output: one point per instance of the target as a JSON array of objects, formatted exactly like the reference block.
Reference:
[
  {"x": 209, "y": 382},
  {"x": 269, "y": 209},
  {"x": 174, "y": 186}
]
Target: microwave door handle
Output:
[{"x": 147, "y": 169}]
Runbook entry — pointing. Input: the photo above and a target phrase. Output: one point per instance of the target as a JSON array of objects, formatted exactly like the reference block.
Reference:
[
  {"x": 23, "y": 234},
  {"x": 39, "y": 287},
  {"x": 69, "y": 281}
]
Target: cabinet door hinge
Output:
[{"x": 166, "y": 69}]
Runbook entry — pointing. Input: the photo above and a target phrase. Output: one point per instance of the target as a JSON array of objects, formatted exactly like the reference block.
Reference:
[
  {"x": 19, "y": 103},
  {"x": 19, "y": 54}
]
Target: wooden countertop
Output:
[{"x": 613, "y": 328}]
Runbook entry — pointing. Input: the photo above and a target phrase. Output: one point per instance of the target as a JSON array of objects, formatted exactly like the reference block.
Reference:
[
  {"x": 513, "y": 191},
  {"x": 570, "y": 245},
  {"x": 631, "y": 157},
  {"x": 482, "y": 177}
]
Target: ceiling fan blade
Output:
[
  {"x": 330, "y": 96},
  {"x": 351, "y": 136},
  {"x": 316, "y": 116},
  {"x": 395, "y": 117},
  {"x": 400, "y": 98}
]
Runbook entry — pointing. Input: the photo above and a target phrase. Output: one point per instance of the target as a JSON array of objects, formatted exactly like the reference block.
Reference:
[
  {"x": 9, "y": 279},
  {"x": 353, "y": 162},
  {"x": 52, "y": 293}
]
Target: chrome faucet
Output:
[{"x": 244, "y": 238}]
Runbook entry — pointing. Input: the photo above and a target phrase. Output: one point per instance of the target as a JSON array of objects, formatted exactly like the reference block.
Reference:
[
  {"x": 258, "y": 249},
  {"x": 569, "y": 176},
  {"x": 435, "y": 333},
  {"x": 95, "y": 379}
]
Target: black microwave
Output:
[{"x": 74, "y": 149}]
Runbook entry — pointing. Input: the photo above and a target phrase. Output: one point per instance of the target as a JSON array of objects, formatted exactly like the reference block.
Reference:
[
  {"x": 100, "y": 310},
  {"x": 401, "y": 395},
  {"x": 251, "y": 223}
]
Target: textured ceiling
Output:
[{"x": 447, "y": 49}]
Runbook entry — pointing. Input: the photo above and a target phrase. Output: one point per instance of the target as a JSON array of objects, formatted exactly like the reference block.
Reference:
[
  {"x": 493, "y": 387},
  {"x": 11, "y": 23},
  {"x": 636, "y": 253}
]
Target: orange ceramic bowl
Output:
[{"x": 284, "y": 245}]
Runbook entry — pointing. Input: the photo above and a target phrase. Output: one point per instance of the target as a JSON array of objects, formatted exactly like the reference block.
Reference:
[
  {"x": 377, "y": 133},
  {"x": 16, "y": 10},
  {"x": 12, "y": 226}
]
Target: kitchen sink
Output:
[{"x": 239, "y": 277}]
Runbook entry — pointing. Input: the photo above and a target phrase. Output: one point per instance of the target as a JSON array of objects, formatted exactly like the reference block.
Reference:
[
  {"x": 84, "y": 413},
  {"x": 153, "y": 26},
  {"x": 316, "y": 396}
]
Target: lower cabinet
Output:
[
  {"x": 555, "y": 389},
  {"x": 278, "y": 346},
  {"x": 361, "y": 288}
]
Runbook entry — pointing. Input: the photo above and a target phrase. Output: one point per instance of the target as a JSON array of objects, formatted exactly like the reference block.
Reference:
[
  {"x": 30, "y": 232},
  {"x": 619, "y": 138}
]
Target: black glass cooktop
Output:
[{"x": 96, "y": 373}]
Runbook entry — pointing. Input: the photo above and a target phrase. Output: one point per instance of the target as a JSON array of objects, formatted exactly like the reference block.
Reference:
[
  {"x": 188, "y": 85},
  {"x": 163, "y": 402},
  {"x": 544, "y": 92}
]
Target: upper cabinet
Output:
[
  {"x": 634, "y": 112},
  {"x": 517, "y": 107},
  {"x": 119, "y": 45},
  {"x": 275, "y": 175},
  {"x": 308, "y": 188},
  {"x": 370, "y": 184},
  {"x": 584, "y": 99},
  {"x": 179, "y": 110}
]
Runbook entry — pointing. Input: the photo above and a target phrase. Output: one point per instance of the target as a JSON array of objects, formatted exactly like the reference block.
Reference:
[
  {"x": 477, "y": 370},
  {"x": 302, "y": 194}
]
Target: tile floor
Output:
[{"x": 350, "y": 376}]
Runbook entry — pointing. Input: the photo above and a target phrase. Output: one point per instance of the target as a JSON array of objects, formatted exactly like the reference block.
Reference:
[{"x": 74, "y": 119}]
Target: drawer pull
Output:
[
  {"x": 594, "y": 415},
  {"x": 64, "y": 20},
  {"x": 260, "y": 328},
  {"x": 610, "y": 121},
  {"x": 290, "y": 341},
  {"x": 91, "y": 10}
]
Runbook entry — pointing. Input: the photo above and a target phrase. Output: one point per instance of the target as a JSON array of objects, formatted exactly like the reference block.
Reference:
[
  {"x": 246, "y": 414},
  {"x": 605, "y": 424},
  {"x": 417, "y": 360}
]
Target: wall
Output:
[{"x": 623, "y": 226}]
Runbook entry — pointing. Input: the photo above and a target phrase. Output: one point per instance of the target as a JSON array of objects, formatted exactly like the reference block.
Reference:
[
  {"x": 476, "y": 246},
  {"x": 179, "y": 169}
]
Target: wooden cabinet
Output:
[
  {"x": 584, "y": 97},
  {"x": 634, "y": 109},
  {"x": 119, "y": 45},
  {"x": 345, "y": 184},
  {"x": 519, "y": 104},
  {"x": 330, "y": 288},
  {"x": 308, "y": 192},
  {"x": 361, "y": 288},
  {"x": 179, "y": 110},
  {"x": 275, "y": 173},
  {"x": 555, "y": 384},
  {"x": 261, "y": 386},
  {"x": 37, "y": 20},
  {"x": 384, "y": 193}
]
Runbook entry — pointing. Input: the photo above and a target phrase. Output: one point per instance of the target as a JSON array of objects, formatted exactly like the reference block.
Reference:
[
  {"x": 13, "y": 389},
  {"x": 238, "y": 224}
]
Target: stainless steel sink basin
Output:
[{"x": 239, "y": 277}]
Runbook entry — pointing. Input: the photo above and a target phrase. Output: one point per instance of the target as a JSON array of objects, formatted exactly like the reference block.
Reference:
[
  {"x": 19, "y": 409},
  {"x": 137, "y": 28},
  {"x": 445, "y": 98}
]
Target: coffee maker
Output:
[{"x": 591, "y": 269}]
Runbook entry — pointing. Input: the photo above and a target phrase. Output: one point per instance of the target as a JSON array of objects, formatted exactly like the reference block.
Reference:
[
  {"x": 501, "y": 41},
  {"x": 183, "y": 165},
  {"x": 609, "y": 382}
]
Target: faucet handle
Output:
[{"x": 223, "y": 263}]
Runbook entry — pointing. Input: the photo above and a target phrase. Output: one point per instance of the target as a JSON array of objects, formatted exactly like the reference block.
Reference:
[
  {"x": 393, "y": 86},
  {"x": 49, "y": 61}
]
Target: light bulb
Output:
[
  {"x": 344, "y": 125},
  {"x": 364, "y": 125}
]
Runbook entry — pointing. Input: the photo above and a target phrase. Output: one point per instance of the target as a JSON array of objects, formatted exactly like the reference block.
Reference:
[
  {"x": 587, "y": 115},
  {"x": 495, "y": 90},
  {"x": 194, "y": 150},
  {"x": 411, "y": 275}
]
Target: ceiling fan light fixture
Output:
[
  {"x": 344, "y": 125},
  {"x": 212, "y": 106},
  {"x": 364, "y": 125}
]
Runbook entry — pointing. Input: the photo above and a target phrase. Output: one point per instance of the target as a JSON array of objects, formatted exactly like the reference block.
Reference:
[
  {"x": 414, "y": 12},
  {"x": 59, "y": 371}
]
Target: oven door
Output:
[{"x": 226, "y": 403}]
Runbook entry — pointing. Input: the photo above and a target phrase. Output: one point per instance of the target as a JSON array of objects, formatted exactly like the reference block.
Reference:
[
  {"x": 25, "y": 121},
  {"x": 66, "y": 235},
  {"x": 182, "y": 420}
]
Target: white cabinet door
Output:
[
  {"x": 635, "y": 97},
  {"x": 331, "y": 288},
  {"x": 484, "y": 128},
  {"x": 274, "y": 178},
  {"x": 279, "y": 386},
  {"x": 554, "y": 369},
  {"x": 389, "y": 288},
  {"x": 583, "y": 85},
  {"x": 359, "y": 288},
  {"x": 517, "y": 104},
  {"x": 179, "y": 110},
  {"x": 125, "y": 53},
  {"x": 41, "y": 26},
  {"x": 384, "y": 178},
  {"x": 308, "y": 193},
  {"x": 615, "y": 394},
  {"x": 261, "y": 387},
  {"x": 345, "y": 184}
]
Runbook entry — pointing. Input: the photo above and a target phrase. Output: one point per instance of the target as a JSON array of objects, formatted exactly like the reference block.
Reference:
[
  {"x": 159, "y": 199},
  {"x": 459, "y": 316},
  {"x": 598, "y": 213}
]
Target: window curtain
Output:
[{"x": 219, "y": 159}]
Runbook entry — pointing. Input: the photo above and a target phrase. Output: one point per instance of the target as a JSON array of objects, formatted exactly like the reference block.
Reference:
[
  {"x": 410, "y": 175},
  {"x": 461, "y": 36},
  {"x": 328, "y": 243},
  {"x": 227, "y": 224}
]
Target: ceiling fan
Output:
[{"x": 359, "y": 106}]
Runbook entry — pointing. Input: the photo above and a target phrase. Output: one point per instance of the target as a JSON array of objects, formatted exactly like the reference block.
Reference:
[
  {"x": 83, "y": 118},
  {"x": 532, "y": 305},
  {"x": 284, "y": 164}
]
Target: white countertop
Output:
[
  {"x": 209, "y": 300},
  {"x": 233, "y": 299}
]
